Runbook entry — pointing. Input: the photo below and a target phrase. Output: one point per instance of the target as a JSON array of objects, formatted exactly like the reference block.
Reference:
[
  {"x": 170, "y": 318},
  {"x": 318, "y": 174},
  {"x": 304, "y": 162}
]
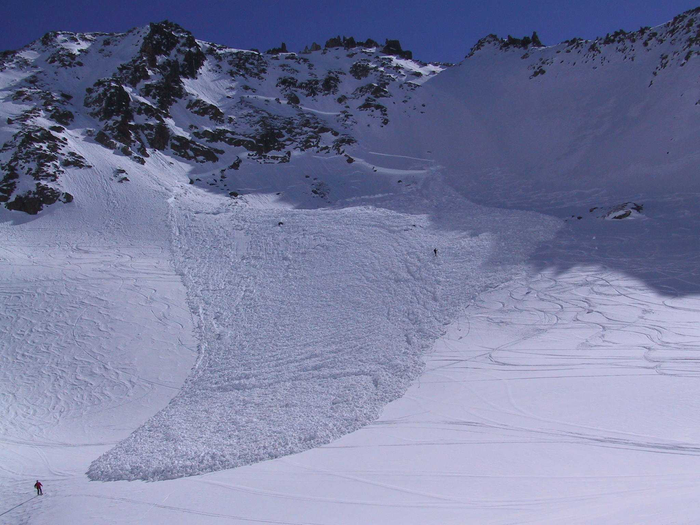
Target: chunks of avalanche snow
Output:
[{"x": 310, "y": 321}]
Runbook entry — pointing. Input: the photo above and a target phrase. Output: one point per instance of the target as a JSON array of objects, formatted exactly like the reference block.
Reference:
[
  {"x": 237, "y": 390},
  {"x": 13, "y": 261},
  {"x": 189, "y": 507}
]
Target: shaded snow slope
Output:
[
  {"x": 601, "y": 122},
  {"x": 604, "y": 122}
]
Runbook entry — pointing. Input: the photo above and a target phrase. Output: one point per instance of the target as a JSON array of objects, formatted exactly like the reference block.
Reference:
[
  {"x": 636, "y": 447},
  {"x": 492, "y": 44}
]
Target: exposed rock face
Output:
[
  {"x": 204, "y": 109},
  {"x": 277, "y": 50},
  {"x": 312, "y": 48},
  {"x": 167, "y": 55},
  {"x": 393, "y": 47},
  {"x": 200, "y": 102},
  {"x": 162, "y": 39},
  {"x": 523, "y": 42},
  {"x": 37, "y": 154},
  {"x": 508, "y": 43},
  {"x": 161, "y": 137},
  {"x": 345, "y": 43},
  {"x": 626, "y": 210},
  {"x": 32, "y": 202}
]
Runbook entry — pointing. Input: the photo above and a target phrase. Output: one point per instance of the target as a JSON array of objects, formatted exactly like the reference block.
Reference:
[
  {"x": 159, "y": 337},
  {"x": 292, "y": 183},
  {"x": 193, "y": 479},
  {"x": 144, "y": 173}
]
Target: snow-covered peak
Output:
[
  {"x": 157, "y": 89},
  {"x": 590, "y": 122},
  {"x": 680, "y": 37}
]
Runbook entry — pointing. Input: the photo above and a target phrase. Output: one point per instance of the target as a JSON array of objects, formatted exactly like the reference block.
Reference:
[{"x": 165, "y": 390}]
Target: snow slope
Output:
[
  {"x": 536, "y": 369},
  {"x": 95, "y": 328},
  {"x": 317, "y": 322},
  {"x": 556, "y": 399}
]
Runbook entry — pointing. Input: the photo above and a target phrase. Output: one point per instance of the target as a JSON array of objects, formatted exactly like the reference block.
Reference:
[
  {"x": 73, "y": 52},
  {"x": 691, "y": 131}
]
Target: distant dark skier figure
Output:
[
  {"x": 435, "y": 250},
  {"x": 38, "y": 486}
]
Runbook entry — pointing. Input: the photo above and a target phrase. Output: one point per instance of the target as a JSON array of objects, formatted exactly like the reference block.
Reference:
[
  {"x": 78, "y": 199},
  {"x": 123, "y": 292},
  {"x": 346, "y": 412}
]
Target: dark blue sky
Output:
[{"x": 433, "y": 30}]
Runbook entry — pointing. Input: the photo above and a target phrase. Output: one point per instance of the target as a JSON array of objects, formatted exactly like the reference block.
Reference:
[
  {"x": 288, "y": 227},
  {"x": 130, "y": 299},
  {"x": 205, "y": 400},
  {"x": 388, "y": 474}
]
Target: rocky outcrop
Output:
[
  {"x": 506, "y": 43},
  {"x": 522, "y": 43},
  {"x": 32, "y": 202},
  {"x": 167, "y": 55},
  {"x": 393, "y": 47},
  {"x": 204, "y": 109},
  {"x": 38, "y": 154},
  {"x": 262, "y": 110},
  {"x": 277, "y": 50},
  {"x": 348, "y": 43},
  {"x": 191, "y": 150},
  {"x": 164, "y": 37},
  {"x": 310, "y": 49}
]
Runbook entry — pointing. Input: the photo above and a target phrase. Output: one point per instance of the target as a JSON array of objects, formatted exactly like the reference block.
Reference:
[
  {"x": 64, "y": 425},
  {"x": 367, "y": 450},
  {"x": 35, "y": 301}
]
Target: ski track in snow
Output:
[
  {"x": 58, "y": 326},
  {"x": 96, "y": 337},
  {"x": 540, "y": 405}
]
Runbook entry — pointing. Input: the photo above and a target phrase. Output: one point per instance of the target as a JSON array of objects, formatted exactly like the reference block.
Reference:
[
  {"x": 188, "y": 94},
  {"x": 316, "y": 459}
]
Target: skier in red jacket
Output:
[{"x": 38, "y": 486}]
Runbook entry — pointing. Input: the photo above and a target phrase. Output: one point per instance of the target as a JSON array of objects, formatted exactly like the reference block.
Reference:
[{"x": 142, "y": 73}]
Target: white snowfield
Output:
[{"x": 404, "y": 339}]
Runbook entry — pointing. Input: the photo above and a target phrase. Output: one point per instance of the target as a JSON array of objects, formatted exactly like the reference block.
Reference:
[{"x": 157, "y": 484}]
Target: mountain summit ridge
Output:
[
  {"x": 159, "y": 90},
  {"x": 150, "y": 90}
]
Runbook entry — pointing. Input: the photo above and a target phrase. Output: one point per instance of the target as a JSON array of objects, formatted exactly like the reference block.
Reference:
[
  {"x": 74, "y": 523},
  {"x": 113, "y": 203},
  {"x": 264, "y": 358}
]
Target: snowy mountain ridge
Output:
[
  {"x": 674, "y": 43},
  {"x": 158, "y": 89}
]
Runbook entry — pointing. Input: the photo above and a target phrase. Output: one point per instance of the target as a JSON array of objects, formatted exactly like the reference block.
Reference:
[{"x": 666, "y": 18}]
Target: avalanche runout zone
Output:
[{"x": 309, "y": 322}]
